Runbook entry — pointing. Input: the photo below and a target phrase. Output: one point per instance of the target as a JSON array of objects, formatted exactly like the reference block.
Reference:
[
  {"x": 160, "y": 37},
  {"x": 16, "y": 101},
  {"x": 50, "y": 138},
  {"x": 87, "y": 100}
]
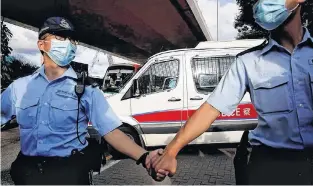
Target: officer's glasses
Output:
[{"x": 73, "y": 41}]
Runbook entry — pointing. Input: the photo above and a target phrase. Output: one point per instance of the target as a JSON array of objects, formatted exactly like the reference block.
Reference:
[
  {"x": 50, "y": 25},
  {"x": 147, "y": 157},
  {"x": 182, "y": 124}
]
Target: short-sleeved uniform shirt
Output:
[
  {"x": 280, "y": 84},
  {"x": 46, "y": 112}
]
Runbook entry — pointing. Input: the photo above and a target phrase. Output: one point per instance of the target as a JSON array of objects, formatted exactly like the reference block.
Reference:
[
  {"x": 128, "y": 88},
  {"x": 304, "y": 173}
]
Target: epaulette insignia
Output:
[
  {"x": 36, "y": 71},
  {"x": 259, "y": 47}
]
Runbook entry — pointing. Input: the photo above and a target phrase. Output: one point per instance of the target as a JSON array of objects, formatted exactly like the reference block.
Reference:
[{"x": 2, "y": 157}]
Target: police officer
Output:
[
  {"x": 279, "y": 77},
  {"x": 47, "y": 109}
]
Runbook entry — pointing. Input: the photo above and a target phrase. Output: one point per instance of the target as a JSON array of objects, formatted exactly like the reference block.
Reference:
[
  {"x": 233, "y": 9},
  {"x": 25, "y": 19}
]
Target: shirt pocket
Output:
[
  {"x": 26, "y": 112},
  {"x": 273, "y": 96},
  {"x": 63, "y": 115}
]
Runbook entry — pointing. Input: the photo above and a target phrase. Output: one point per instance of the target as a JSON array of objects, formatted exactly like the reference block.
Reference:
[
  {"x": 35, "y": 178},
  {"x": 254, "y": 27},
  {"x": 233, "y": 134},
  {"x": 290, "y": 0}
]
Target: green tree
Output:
[
  {"x": 21, "y": 67},
  {"x": 6, "y": 35},
  {"x": 248, "y": 29},
  {"x": 12, "y": 67},
  {"x": 18, "y": 67}
]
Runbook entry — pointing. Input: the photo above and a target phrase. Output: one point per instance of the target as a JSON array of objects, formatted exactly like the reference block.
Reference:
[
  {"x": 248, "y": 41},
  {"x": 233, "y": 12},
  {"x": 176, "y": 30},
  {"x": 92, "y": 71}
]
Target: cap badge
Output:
[{"x": 65, "y": 24}]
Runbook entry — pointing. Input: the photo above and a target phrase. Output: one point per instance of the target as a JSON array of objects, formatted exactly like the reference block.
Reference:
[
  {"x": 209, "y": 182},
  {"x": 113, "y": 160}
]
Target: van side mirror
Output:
[{"x": 135, "y": 88}]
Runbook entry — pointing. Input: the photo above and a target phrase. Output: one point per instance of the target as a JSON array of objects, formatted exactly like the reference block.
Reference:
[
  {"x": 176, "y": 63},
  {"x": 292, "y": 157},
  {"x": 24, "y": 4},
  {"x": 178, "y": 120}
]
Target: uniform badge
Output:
[
  {"x": 65, "y": 24},
  {"x": 66, "y": 94}
]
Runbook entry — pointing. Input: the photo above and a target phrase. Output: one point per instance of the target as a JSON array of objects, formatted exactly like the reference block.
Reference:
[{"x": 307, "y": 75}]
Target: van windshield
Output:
[{"x": 116, "y": 78}]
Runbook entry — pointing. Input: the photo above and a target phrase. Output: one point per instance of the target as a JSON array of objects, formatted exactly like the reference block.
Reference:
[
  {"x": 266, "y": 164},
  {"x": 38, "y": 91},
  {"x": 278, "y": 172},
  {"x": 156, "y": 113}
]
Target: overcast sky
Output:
[
  {"x": 227, "y": 11},
  {"x": 24, "y": 42}
]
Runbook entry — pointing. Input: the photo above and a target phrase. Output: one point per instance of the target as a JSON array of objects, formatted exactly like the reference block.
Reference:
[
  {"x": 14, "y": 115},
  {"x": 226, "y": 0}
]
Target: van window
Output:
[
  {"x": 116, "y": 78},
  {"x": 159, "y": 77},
  {"x": 207, "y": 72}
]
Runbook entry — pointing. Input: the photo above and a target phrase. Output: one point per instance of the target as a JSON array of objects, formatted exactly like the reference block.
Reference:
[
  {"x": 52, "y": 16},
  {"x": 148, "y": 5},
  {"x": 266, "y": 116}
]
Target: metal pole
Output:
[{"x": 217, "y": 20}]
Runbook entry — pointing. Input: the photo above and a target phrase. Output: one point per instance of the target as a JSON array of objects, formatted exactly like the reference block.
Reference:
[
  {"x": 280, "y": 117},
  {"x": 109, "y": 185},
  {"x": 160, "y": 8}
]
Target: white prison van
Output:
[{"x": 167, "y": 90}]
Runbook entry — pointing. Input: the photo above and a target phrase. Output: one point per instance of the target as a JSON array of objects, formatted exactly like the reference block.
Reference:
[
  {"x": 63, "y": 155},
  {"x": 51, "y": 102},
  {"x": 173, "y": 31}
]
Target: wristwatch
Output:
[{"x": 142, "y": 159}]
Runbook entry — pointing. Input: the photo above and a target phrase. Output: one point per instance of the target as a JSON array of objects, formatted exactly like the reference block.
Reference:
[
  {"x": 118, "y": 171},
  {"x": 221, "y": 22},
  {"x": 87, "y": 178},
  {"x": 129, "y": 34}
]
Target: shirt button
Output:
[
  {"x": 40, "y": 141},
  {"x": 46, "y": 104},
  {"x": 300, "y": 105}
]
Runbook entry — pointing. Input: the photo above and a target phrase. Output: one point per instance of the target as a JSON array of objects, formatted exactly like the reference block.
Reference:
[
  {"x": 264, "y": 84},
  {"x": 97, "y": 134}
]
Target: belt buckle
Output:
[
  {"x": 40, "y": 168},
  {"x": 309, "y": 154},
  {"x": 74, "y": 152}
]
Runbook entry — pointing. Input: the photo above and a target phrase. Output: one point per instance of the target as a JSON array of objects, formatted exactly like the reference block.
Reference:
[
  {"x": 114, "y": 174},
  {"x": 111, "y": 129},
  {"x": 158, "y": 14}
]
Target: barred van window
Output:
[
  {"x": 159, "y": 77},
  {"x": 207, "y": 72}
]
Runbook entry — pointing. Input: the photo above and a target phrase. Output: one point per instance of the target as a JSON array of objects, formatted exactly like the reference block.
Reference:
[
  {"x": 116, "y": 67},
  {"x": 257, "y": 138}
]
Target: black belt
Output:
[
  {"x": 39, "y": 169},
  {"x": 91, "y": 157},
  {"x": 306, "y": 153},
  {"x": 74, "y": 152},
  {"x": 241, "y": 158}
]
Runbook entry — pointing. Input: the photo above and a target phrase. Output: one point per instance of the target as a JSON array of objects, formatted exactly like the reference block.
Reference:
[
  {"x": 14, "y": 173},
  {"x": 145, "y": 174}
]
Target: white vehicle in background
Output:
[
  {"x": 116, "y": 77},
  {"x": 167, "y": 90}
]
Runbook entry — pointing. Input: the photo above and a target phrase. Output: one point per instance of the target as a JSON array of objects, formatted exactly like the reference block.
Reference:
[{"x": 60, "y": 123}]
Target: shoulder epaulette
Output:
[
  {"x": 259, "y": 47},
  {"x": 36, "y": 71}
]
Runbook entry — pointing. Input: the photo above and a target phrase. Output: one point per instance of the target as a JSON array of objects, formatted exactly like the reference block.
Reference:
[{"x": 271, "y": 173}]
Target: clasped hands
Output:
[{"x": 159, "y": 164}]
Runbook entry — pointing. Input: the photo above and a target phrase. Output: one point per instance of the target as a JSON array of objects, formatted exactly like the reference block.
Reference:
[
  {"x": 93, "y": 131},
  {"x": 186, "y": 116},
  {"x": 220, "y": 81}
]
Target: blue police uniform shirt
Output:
[
  {"x": 46, "y": 112},
  {"x": 280, "y": 84}
]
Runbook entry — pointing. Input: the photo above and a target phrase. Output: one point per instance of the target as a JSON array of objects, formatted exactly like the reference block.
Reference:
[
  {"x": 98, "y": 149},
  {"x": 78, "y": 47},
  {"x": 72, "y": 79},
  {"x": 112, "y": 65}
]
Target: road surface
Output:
[{"x": 194, "y": 167}]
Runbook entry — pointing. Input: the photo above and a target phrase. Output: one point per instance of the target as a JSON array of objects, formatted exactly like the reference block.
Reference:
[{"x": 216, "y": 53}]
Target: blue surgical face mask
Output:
[
  {"x": 62, "y": 52},
  {"x": 270, "y": 14}
]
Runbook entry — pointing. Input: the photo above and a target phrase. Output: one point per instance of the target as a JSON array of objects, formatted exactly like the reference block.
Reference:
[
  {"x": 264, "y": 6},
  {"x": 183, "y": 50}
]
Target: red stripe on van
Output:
[
  {"x": 243, "y": 111},
  {"x": 163, "y": 116}
]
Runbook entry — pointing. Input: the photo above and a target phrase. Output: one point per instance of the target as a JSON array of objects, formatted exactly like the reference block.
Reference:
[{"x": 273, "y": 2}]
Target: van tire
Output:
[{"x": 132, "y": 134}]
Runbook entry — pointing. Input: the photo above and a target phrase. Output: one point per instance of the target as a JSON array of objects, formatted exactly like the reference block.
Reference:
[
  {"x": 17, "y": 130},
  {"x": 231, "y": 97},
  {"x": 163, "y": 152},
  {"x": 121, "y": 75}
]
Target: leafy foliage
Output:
[
  {"x": 248, "y": 29},
  {"x": 16, "y": 67},
  {"x": 6, "y": 35},
  {"x": 12, "y": 67}
]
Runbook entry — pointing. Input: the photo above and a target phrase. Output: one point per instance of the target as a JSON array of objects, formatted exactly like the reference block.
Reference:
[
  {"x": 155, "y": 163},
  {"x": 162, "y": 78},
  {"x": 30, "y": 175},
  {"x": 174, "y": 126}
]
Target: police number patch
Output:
[{"x": 66, "y": 94}]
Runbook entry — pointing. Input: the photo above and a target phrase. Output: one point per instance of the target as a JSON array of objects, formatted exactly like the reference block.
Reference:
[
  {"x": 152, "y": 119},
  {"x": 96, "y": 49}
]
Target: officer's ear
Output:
[{"x": 41, "y": 45}]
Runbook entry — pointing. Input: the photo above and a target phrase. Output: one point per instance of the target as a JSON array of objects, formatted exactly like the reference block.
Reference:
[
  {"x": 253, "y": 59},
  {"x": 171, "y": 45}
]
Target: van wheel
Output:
[{"x": 132, "y": 135}]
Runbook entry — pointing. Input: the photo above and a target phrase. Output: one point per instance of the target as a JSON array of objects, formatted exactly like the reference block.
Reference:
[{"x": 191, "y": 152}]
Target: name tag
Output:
[{"x": 66, "y": 94}]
